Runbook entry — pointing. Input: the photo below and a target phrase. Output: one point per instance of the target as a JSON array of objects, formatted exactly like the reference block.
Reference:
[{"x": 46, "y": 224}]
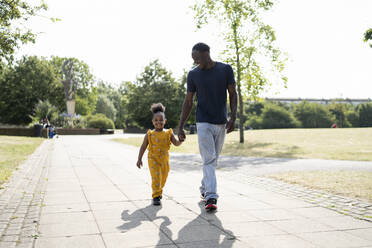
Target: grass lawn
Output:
[
  {"x": 14, "y": 150},
  {"x": 357, "y": 184},
  {"x": 330, "y": 143}
]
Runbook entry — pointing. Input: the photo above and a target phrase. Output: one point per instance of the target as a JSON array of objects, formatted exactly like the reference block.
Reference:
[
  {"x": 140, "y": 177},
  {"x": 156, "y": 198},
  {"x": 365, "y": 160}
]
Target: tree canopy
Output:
[
  {"x": 13, "y": 29},
  {"x": 25, "y": 83},
  {"x": 31, "y": 79},
  {"x": 368, "y": 36},
  {"x": 154, "y": 84},
  {"x": 249, "y": 43}
]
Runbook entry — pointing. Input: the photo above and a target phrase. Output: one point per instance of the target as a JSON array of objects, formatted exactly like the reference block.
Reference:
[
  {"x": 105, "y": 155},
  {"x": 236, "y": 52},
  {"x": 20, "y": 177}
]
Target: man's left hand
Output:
[{"x": 230, "y": 125}]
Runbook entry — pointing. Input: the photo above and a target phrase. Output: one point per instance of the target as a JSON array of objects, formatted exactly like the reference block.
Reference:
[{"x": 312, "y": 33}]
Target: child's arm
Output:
[
  {"x": 175, "y": 141},
  {"x": 142, "y": 151}
]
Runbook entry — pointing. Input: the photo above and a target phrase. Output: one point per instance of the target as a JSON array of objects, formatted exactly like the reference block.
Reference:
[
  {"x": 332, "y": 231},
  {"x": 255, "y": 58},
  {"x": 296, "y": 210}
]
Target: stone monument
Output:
[{"x": 70, "y": 85}]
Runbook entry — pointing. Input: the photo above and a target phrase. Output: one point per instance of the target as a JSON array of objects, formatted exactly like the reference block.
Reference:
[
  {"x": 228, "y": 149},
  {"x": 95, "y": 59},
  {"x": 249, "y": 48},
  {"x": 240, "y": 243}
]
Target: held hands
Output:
[
  {"x": 139, "y": 164},
  {"x": 181, "y": 135},
  {"x": 230, "y": 125}
]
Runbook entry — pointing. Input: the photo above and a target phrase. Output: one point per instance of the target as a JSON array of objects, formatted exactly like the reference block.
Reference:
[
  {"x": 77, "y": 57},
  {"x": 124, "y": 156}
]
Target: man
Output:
[{"x": 209, "y": 80}]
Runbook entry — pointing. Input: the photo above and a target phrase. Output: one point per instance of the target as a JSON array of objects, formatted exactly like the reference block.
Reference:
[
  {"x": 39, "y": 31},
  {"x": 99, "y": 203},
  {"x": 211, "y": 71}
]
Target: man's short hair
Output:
[{"x": 201, "y": 47}]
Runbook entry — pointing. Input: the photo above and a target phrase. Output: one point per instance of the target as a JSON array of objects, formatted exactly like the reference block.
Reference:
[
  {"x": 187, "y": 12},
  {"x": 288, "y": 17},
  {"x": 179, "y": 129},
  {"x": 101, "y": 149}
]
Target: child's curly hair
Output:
[{"x": 157, "y": 107}]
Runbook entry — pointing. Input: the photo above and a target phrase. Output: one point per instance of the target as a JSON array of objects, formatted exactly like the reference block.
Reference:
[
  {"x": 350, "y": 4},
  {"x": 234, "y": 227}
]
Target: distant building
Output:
[{"x": 354, "y": 101}]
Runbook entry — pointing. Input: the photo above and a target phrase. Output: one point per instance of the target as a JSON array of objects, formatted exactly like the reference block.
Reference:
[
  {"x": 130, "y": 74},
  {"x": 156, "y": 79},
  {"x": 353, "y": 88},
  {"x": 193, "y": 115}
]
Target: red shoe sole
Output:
[{"x": 211, "y": 207}]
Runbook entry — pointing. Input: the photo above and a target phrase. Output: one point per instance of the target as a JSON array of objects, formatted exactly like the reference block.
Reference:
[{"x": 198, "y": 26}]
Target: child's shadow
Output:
[{"x": 140, "y": 216}]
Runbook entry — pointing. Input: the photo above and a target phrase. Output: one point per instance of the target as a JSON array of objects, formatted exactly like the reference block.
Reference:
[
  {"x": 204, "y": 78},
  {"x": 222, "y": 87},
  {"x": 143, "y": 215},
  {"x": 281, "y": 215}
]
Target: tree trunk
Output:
[
  {"x": 240, "y": 99},
  {"x": 241, "y": 124}
]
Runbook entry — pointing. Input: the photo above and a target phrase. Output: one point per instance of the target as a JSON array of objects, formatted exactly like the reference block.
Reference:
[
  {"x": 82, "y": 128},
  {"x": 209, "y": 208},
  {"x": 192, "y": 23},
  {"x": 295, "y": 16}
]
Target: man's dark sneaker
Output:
[
  {"x": 211, "y": 204},
  {"x": 156, "y": 201}
]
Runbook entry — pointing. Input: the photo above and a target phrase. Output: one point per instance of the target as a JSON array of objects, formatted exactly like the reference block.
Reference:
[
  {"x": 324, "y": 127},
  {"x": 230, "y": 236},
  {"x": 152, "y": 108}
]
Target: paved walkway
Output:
[{"x": 85, "y": 191}]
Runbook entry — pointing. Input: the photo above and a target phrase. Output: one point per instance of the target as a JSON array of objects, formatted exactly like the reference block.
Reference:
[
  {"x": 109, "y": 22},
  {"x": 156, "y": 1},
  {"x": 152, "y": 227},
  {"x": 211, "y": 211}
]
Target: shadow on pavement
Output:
[
  {"x": 216, "y": 235},
  {"x": 147, "y": 214},
  {"x": 192, "y": 162}
]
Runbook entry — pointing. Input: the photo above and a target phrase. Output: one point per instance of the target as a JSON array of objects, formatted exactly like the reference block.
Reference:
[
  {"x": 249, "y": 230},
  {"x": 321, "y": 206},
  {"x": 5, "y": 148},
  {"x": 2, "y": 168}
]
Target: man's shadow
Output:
[{"x": 214, "y": 237}]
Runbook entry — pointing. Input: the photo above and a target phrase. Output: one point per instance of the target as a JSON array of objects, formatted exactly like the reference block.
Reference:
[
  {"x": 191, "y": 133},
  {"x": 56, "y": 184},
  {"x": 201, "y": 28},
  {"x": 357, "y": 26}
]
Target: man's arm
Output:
[
  {"x": 233, "y": 107},
  {"x": 186, "y": 109}
]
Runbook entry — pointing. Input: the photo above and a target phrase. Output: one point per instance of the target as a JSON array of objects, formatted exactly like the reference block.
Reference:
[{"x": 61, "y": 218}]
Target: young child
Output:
[{"x": 158, "y": 142}]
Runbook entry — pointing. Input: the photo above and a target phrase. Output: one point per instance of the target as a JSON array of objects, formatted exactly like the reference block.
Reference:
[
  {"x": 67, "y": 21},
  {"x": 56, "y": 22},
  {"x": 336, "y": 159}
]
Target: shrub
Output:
[
  {"x": 353, "y": 118},
  {"x": 274, "y": 116},
  {"x": 313, "y": 115},
  {"x": 254, "y": 122},
  {"x": 99, "y": 121},
  {"x": 67, "y": 121},
  {"x": 44, "y": 109},
  {"x": 365, "y": 114}
]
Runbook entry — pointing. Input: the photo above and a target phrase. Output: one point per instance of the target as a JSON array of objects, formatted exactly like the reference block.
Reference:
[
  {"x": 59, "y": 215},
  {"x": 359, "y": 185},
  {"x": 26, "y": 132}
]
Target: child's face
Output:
[{"x": 158, "y": 120}]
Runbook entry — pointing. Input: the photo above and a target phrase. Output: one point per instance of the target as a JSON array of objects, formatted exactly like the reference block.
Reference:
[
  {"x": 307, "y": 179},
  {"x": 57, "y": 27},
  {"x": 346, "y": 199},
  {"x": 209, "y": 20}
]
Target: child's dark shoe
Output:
[{"x": 156, "y": 201}]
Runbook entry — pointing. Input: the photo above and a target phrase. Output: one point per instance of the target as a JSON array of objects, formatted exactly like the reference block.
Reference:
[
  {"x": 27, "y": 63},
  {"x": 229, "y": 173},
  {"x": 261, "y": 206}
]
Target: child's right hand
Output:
[{"x": 139, "y": 164}]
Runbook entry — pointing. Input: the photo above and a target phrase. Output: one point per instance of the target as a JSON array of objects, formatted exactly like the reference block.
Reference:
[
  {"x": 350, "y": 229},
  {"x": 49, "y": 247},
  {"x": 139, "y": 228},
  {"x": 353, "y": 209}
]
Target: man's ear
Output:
[{"x": 165, "y": 121}]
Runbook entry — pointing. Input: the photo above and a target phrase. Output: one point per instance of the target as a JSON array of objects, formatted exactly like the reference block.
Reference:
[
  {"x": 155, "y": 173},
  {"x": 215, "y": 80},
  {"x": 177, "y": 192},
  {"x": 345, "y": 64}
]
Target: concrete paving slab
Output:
[
  {"x": 193, "y": 233},
  {"x": 315, "y": 212},
  {"x": 362, "y": 233},
  {"x": 143, "y": 238},
  {"x": 82, "y": 241},
  {"x": 344, "y": 222},
  {"x": 225, "y": 243},
  {"x": 68, "y": 229},
  {"x": 335, "y": 239},
  {"x": 74, "y": 207},
  {"x": 219, "y": 218},
  {"x": 57, "y": 200},
  {"x": 55, "y": 218},
  {"x": 274, "y": 214},
  {"x": 295, "y": 226},
  {"x": 186, "y": 218},
  {"x": 104, "y": 196},
  {"x": 122, "y": 205},
  {"x": 249, "y": 229},
  {"x": 62, "y": 186},
  {"x": 118, "y": 213},
  {"x": 120, "y": 226},
  {"x": 278, "y": 241},
  {"x": 289, "y": 203}
]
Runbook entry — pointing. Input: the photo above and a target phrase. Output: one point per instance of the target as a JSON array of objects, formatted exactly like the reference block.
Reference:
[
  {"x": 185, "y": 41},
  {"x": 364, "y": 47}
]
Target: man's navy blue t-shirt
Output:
[{"x": 211, "y": 92}]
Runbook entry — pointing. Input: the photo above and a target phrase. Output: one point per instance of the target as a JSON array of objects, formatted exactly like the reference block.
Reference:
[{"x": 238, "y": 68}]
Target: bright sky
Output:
[{"x": 117, "y": 39}]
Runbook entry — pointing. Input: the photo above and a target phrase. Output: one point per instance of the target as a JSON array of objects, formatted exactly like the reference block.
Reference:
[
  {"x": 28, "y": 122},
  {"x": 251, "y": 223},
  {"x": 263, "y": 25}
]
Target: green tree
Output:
[
  {"x": 86, "y": 100},
  {"x": 115, "y": 95},
  {"x": 106, "y": 107},
  {"x": 254, "y": 108},
  {"x": 248, "y": 40},
  {"x": 313, "y": 115},
  {"x": 339, "y": 112},
  {"x": 275, "y": 116},
  {"x": 13, "y": 17},
  {"x": 365, "y": 114},
  {"x": 368, "y": 36},
  {"x": 23, "y": 84},
  {"x": 154, "y": 84},
  {"x": 352, "y": 117}
]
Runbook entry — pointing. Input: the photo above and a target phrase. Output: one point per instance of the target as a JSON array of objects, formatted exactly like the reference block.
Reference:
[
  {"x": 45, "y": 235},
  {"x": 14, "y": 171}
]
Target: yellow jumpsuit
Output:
[{"x": 158, "y": 159}]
